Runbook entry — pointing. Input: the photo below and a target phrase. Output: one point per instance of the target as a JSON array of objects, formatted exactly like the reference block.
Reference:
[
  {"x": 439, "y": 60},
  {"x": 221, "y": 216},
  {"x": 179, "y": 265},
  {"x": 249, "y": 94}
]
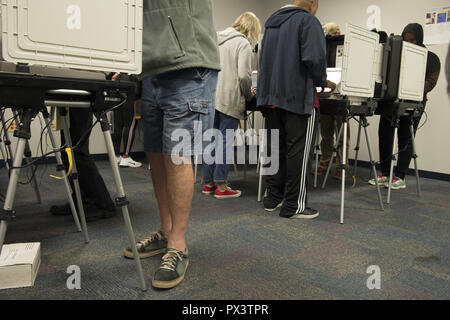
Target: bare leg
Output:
[
  {"x": 174, "y": 189},
  {"x": 222, "y": 186},
  {"x": 158, "y": 173},
  {"x": 180, "y": 190}
]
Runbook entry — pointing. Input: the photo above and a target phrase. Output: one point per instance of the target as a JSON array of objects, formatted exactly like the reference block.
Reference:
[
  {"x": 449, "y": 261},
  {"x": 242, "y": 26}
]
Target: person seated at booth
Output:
[
  {"x": 97, "y": 202},
  {"x": 233, "y": 89},
  {"x": 327, "y": 126},
  {"x": 412, "y": 33}
]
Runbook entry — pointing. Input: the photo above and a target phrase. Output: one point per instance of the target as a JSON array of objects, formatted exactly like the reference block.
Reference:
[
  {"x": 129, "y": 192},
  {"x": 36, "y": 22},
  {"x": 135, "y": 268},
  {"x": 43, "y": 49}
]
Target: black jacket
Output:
[
  {"x": 433, "y": 63},
  {"x": 292, "y": 62}
]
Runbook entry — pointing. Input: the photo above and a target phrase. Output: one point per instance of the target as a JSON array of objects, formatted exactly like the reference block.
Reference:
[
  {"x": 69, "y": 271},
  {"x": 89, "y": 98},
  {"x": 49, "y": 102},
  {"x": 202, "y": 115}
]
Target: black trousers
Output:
[
  {"x": 93, "y": 188},
  {"x": 295, "y": 154},
  {"x": 123, "y": 120},
  {"x": 386, "y": 142}
]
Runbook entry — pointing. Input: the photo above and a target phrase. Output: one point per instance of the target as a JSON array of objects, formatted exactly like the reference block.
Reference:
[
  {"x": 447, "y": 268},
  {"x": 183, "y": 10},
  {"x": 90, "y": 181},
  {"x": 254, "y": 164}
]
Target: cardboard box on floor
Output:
[{"x": 19, "y": 264}]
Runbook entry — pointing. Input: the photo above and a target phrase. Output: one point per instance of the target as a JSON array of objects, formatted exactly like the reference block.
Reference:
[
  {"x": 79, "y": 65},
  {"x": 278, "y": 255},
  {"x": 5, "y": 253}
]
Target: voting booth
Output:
[
  {"x": 100, "y": 35},
  {"x": 369, "y": 74},
  {"x": 355, "y": 64},
  {"x": 65, "y": 37},
  {"x": 404, "y": 91}
]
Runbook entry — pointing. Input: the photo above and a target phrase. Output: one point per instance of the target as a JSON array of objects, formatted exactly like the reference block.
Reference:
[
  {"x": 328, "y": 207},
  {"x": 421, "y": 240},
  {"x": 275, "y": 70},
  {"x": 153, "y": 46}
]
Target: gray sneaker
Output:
[
  {"x": 397, "y": 184},
  {"x": 157, "y": 243},
  {"x": 382, "y": 181},
  {"x": 172, "y": 269}
]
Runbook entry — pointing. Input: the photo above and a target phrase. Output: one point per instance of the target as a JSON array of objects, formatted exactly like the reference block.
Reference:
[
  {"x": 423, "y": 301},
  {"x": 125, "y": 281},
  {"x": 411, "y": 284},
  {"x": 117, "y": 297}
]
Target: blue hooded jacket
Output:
[{"x": 292, "y": 62}]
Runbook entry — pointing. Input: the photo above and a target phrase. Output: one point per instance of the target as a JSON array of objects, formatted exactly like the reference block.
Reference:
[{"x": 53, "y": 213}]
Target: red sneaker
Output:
[
  {"x": 338, "y": 175},
  {"x": 228, "y": 193},
  {"x": 208, "y": 189},
  {"x": 320, "y": 171}
]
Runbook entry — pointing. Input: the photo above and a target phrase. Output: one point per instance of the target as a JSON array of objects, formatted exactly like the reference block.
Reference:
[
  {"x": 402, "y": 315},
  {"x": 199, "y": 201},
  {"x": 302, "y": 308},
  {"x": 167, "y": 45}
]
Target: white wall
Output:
[{"x": 226, "y": 11}]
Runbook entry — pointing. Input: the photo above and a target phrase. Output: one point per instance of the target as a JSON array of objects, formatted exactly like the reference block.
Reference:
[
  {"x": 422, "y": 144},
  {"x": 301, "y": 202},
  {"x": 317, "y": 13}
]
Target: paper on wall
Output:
[{"x": 437, "y": 26}]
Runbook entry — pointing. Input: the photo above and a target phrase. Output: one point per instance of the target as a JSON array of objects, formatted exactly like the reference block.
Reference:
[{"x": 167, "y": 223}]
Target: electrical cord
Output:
[
  {"x": 42, "y": 152},
  {"x": 10, "y": 120},
  {"x": 83, "y": 137},
  {"x": 37, "y": 153}
]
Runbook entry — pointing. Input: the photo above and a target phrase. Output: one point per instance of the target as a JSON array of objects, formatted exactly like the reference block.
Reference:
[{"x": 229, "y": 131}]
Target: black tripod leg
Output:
[
  {"x": 372, "y": 162},
  {"x": 414, "y": 155},
  {"x": 358, "y": 141},
  {"x": 29, "y": 159}
]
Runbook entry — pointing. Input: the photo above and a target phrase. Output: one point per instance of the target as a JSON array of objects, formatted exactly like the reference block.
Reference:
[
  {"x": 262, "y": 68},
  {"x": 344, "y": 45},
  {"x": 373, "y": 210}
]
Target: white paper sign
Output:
[{"x": 437, "y": 26}]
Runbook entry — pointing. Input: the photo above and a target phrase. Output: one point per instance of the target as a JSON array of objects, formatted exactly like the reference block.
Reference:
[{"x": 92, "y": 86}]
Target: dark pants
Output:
[
  {"x": 93, "y": 188},
  {"x": 218, "y": 172},
  {"x": 295, "y": 150},
  {"x": 386, "y": 141},
  {"x": 124, "y": 127}
]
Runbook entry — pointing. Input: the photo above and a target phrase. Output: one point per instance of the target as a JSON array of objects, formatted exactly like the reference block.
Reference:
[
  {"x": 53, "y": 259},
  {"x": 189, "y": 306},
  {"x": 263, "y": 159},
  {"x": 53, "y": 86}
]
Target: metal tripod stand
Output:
[
  {"x": 343, "y": 133},
  {"x": 24, "y": 134}
]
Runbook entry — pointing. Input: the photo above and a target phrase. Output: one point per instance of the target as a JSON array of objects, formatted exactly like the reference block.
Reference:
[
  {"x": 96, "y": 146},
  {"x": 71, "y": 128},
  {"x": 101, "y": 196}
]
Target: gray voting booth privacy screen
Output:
[{"x": 100, "y": 35}]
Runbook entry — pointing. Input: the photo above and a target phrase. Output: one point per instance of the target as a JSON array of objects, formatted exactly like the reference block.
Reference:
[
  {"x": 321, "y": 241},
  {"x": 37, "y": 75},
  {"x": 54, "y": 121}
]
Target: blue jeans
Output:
[
  {"x": 218, "y": 172},
  {"x": 177, "y": 108}
]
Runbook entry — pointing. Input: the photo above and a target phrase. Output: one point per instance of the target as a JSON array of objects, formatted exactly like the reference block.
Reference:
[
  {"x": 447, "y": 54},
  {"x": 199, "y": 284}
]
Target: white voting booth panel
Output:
[
  {"x": 359, "y": 67},
  {"x": 100, "y": 35},
  {"x": 412, "y": 72}
]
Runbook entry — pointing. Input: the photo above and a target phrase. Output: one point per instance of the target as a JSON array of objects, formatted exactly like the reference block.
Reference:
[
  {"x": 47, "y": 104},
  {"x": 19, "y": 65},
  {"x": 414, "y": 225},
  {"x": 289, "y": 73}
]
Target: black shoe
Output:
[
  {"x": 63, "y": 210},
  {"x": 99, "y": 214},
  {"x": 308, "y": 213},
  {"x": 271, "y": 205},
  {"x": 91, "y": 211}
]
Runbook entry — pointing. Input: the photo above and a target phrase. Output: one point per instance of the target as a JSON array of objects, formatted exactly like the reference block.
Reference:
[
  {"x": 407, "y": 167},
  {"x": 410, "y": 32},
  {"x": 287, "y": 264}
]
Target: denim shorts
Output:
[{"x": 177, "y": 108}]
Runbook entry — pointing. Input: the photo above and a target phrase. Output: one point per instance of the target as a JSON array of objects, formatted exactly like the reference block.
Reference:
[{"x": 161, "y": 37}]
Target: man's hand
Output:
[
  {"x": 254, "y": 91},
  {"x": 331, "y": 85},
  {"x": 115, "y": 77}
]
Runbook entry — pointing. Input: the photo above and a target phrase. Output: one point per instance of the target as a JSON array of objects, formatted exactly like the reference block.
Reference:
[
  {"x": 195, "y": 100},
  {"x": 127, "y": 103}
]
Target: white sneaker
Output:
[{"x": 128, "y": 162}]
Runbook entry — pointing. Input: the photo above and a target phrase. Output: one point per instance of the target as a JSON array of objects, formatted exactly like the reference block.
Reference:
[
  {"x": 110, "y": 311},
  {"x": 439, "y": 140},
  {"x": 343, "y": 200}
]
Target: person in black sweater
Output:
[
  {"x": 412, "y": 33},
  {"x": 96, "y": 199}
]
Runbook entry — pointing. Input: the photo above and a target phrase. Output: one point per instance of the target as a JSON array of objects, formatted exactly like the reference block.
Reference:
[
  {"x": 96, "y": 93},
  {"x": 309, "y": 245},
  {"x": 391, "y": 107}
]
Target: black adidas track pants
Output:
[{"x": 295, "y": 149}]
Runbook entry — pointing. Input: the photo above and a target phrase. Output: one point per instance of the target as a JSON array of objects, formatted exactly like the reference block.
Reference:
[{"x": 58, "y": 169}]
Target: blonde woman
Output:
[{"x": 233, "y": 89}]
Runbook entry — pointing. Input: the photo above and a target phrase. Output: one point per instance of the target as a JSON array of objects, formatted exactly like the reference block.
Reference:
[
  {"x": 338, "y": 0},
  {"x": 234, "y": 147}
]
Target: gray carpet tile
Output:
[{"x": 238, "y": 251}]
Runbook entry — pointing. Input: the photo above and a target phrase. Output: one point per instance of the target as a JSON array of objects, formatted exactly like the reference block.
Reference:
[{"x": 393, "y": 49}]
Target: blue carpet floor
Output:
[{"x": 239, "y": 251}]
